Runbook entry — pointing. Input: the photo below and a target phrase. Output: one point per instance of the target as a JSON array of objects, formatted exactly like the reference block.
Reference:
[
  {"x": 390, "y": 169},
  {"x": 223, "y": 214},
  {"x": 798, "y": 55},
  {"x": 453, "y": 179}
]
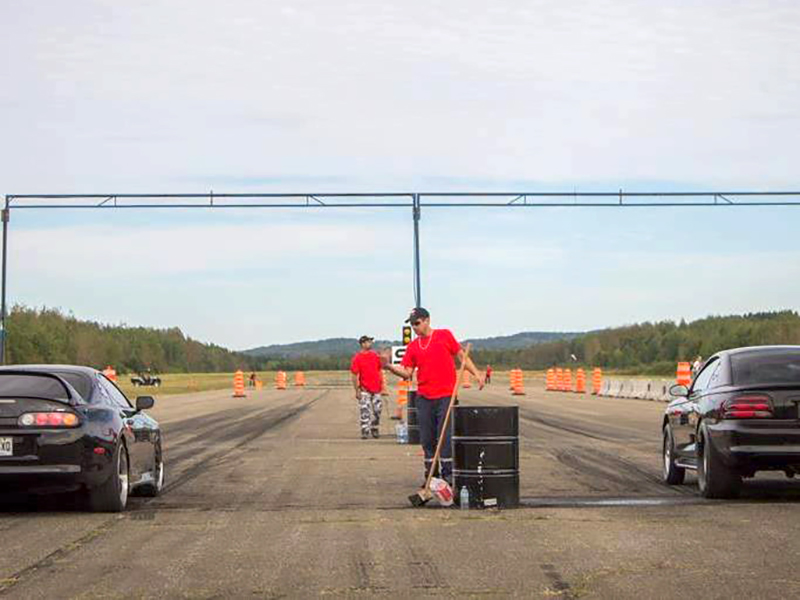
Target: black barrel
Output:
[
  {"x": 412, "y": 421},
  {"x": 486, "y": 454}
]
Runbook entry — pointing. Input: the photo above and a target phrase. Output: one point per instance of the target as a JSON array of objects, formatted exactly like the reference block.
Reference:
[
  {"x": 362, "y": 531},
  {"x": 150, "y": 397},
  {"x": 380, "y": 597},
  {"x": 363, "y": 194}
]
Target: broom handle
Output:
[{"x": 456, "y": 387}]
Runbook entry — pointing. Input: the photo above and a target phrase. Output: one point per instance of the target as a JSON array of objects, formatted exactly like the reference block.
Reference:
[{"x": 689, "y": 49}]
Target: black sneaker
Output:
[
  {"x": 375, "y": 434},
  {"x": 364, "y": 435}
]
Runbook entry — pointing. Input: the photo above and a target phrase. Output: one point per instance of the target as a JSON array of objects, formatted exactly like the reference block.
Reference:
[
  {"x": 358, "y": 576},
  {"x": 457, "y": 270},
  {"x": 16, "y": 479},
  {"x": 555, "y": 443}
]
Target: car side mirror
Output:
[
  {"x": 145, "y": 402},
  {"x": 679, "y": 391}
]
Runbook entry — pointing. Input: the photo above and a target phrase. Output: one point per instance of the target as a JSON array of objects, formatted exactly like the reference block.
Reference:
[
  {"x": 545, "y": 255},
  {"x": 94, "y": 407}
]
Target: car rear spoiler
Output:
[
  {"x": 72, "y": 394},
  {"x": 766, "y": 386}
]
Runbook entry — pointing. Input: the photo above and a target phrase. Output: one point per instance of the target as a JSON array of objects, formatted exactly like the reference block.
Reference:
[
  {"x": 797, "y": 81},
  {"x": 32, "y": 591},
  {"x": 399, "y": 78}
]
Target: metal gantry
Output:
[{"x": 381, "y": 200}]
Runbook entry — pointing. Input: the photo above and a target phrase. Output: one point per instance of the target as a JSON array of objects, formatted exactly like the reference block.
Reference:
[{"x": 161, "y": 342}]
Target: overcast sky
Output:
[{"x": 313, "y": 96}]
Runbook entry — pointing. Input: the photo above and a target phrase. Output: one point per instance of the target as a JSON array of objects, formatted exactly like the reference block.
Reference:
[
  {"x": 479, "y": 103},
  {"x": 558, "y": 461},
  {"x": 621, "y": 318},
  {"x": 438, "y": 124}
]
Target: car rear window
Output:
[
  {"x": 81, "y": 383},
  {"x": 34, "y": 386},
  {"x": 767, "y": 367}
]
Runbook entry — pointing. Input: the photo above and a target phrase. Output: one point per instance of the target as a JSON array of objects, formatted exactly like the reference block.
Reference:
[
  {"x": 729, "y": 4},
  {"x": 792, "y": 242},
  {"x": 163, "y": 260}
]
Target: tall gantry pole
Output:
[
  {"x": 417, "y": 277},
  {"x": 6, "y": 214}
]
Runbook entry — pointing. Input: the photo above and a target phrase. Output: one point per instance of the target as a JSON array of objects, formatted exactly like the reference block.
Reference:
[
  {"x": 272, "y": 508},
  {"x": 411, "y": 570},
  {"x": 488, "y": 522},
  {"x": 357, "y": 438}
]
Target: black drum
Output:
[
  {"x": 486, "y": 454},
  {"x": 412, "y": 420}
]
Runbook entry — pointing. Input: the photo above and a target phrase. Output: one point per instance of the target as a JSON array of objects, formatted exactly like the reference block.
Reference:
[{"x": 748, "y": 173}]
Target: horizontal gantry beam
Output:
[{"x": 406, "y": 200}]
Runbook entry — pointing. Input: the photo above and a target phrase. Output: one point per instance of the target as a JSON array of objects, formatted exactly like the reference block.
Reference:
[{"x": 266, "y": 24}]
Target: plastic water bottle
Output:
[{"x": 463, "y": 498}]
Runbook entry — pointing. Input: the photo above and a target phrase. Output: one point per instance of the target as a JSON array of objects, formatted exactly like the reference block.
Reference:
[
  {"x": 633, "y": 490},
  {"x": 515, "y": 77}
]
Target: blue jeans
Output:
[{"x": 431, "y": 413}]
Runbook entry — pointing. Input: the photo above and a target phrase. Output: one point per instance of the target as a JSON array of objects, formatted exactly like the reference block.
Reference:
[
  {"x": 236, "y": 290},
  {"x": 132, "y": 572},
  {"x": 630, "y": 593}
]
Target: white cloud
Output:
[
  {"x": 108, "y": 96},
  {"x": 193, "y": 249}
]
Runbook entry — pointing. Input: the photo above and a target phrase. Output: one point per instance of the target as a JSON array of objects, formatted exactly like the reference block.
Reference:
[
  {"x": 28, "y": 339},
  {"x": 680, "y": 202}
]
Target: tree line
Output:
[
  {"x": 48, "y": 335},
  {"x": 653, "y": 348}
]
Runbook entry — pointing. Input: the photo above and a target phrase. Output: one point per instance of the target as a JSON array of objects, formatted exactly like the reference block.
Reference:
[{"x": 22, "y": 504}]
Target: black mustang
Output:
[
  {"x": 740, "y": 415},
  {"x": 66, "y": 428}
]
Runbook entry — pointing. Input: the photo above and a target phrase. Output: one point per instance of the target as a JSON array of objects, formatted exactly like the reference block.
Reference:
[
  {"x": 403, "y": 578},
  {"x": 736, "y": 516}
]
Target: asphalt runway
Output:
[{"x": 276, "y": 495}]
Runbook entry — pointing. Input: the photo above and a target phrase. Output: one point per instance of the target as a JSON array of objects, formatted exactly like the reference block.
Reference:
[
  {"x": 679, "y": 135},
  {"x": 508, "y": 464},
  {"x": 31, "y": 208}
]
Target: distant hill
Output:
[
  {"x": 340, "y": 346},
  {"x": 522, "y": 340},
  {"x": 326, "y": 347}
]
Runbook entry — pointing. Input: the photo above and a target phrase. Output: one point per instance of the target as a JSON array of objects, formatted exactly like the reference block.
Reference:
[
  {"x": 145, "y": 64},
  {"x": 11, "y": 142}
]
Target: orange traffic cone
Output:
[
  {"x": 580, "y": 381},
  {"x": 299, "y": 379},
  {"x": 550, "y": 380},
  {"x": 402, "y": 398},
  {"x": 280, "y": 380},
  {"x": 597, "y": 380},
  {"x": 238, "y": 385},
  {"x": 466, "y": 382},
  {"x": 519, "y": 389},
  {"x": 684, "y": 374},
  {"x": 567, "y": 380}
]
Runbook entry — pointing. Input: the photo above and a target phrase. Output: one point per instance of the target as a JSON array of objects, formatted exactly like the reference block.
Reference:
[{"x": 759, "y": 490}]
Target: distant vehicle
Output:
[
  {"x": 68, "y": 428},
  {"x": 741, "y": 415},
  {"x": 146, "y": 379}
]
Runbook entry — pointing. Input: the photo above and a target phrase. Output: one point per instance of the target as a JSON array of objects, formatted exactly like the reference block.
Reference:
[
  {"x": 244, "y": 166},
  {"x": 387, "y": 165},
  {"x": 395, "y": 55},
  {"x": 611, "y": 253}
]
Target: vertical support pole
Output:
[
  {"x": 417, "y": 279},
  {"x": 5, "y": 216}
]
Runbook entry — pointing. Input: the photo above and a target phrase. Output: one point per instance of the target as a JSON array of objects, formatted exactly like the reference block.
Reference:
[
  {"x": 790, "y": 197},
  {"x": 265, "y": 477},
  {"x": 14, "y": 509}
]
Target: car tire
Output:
[
  {"x": 714, "y": 478},
  {"x": 154, "y": 489},
  {"x": 112, "y": 495},
  {"x": 672, "y": 473}
]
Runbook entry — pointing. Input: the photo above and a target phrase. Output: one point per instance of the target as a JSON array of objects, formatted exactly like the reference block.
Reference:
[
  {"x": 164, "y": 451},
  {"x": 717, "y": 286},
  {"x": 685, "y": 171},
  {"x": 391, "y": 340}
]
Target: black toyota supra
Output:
[
  {"x": 740, "y": 415},
  {"x": 69, "y": 428}
]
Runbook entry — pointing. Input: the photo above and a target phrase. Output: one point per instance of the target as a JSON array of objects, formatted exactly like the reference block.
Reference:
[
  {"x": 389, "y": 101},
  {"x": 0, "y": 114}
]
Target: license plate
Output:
[{"x": 6, "y": 446}]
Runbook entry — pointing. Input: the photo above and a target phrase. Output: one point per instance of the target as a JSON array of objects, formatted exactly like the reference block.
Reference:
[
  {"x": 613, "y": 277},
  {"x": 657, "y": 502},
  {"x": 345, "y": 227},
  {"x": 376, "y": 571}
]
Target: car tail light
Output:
[
  {"x": 748, "y": 406},
  {"x": 48, "y": 419}
]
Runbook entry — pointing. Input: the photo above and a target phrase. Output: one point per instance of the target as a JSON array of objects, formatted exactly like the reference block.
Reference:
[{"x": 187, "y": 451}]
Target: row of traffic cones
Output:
[
  {"x": 280, "y": 382},
  {"x": 560, "y": 380}
]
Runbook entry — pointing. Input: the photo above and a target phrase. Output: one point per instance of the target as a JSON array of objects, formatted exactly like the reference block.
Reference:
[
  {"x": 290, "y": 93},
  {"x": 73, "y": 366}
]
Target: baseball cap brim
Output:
[{"x": 418, "y": 313}]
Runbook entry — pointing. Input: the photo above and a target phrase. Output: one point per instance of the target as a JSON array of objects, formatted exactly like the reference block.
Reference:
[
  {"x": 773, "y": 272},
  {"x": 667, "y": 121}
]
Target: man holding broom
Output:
[{"x": 432, "y": 355}]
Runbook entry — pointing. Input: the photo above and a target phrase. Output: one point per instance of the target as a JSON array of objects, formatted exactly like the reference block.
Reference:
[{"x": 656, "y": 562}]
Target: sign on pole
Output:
[{"x": 398, "y": 352}]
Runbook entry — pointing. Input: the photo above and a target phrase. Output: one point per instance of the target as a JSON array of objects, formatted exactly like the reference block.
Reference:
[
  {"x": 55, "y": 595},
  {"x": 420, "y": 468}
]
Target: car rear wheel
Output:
[
  {"x": 673, "y": 474},
  {"x": 714, "y": 478},
  {"x": 159, "y": 474},
  {"x": 112, "y": 495}
]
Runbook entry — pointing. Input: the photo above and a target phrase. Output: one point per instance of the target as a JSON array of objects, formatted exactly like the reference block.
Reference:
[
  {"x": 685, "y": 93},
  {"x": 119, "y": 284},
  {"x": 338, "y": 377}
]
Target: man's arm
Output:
[
  {"x": 399, "y": 370},
  {"x": 356, "y": 387},
  {"x": 470, "y": 366}
]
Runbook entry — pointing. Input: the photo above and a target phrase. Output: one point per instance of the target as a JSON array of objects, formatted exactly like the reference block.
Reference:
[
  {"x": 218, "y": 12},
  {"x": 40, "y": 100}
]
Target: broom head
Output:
[{"x": 420, "y": 498}]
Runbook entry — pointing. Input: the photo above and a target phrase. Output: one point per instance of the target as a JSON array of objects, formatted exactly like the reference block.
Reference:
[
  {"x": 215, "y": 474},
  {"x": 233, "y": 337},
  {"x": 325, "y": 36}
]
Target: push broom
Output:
[{"x": 421, "y": 497}]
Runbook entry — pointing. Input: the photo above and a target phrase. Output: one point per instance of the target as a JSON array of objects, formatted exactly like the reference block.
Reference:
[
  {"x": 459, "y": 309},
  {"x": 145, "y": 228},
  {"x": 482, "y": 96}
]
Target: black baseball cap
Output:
[
  {"x": 364, "y": 338},
  {"x": 418, "y": 313}
]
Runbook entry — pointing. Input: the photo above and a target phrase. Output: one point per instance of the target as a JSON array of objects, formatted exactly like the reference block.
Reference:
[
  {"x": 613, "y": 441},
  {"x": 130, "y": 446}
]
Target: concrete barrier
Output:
[{"x": 642, "y": 389}]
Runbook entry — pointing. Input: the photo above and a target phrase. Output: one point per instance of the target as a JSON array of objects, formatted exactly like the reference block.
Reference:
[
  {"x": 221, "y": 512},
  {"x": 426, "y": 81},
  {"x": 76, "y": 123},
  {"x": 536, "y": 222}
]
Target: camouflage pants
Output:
[{"x": 369, "y": 407}]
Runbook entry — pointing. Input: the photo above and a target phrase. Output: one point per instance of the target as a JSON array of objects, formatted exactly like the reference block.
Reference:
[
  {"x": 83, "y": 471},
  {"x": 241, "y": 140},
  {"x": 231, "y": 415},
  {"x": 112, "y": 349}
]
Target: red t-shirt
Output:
[
  {"x": 367, "y": 365},
  {"x": 432, "y": 356}
]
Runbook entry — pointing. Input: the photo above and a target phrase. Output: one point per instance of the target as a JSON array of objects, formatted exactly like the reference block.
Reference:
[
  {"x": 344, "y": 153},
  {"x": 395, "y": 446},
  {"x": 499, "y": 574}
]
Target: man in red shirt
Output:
[
  {"x": 432, "y": 354},
  {"x": 367, "y": 382}
]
